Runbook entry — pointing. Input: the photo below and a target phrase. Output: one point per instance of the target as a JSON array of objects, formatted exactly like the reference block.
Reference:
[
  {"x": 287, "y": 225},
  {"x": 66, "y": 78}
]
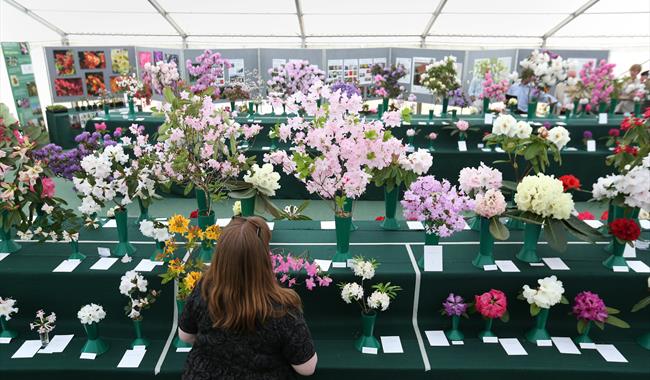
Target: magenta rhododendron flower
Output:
[
  {"x": 48, "y": 187},
  {"x": 589, "y": 306},
  {"x": 492, "y": 304}
]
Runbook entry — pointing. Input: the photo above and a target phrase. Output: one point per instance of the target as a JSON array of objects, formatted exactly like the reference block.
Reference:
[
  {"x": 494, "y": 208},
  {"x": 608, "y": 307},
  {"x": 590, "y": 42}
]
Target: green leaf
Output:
[
  {"x": 611, "y": 310},
  {"x": 188, "y": 188},
  {"x": 600, "y": 325},
  {"x": 615, "y": 321},
  {"x": 581, "y": 325},
  {"x": 641, "y": 304},
  {"x": 505, "y": 317},
  {"x": 534, "y": 309},
  {"x": 498, "y": 230},
  {"x": 555, "y": 234},
  {"x": 169, "y": 95}
]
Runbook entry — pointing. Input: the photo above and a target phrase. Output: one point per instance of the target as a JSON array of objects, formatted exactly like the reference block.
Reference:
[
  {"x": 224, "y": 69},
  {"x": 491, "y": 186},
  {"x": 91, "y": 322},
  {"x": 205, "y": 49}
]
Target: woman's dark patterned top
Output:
[{"x": 222, "y": 354}]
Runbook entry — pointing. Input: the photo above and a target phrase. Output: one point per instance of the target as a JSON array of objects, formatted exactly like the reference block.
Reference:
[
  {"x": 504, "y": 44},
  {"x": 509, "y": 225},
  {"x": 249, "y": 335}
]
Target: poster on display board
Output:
[
  {"x": 22, "y": 83},
  {"x": 419, "y": 67},
  {"x": 406, "y": 62},
  {"x": 334, "y": 70},
  {"x": 236, "y": 72},
  {"x": 351, "y": 70}
]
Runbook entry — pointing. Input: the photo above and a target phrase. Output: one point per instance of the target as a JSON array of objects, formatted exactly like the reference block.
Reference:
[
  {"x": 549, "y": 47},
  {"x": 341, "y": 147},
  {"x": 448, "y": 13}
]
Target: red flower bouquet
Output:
[
  {"x": 570, "y": 182},
  {"x": 492, "y": 304},
  {"x": 625, "y": 229}
]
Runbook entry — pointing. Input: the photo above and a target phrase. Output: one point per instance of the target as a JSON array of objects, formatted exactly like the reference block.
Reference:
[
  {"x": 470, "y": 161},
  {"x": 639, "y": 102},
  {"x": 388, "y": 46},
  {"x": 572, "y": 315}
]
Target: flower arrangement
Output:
[
  {"x": 626, "y": 231},
  {"x": 454, "y": 306},
  {"x": 134, "y": 286},
  {"x": 440, "y": 77},
  {"x": 187, "y": 274},
  {"x": 403, "y": 169},
  {"x": 549, "y": 69},
  {"x": 633, "y": 146},
  {"x": 43, "y": 324},
  {"x": 286, "y": 268},
  {"x": 473, "y": 181},
  {"x": 438, "y": 204},
  {"x": 570, "y": 182},
  {"x": 549, "y": 293},
  {"x": 7, "y": 308},
  {"x": 155, "y": 230},
  {"x": 346, "y": 88},
  {"x": 379, "y": 300},
  {"x": 208, "y": 69},
  {"x": 205, "y": 236},
  {"x": 129, "y": 84},
  {"x": 234, "y": 92},
  {"x": 628, "y": 190},
  {"x": 292, "y": 77},
  {"x": 161, "y": 75},
  {"x": 491, "y": 305},
  {"x": 386, "y": 81},
  {"x": 589, "y": 308},
  {"x": 494, "y": 89},
  {"x": 91, "y": 313},
  {"x": 597, "y": 81},
  {"x": 462, "y": 128},
  {"x": 457, "y": 98}
]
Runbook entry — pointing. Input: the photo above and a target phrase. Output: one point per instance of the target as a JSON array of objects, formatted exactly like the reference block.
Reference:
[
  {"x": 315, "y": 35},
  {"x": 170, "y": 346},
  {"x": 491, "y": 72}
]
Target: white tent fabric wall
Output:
[{"x": 622, "y": 26}]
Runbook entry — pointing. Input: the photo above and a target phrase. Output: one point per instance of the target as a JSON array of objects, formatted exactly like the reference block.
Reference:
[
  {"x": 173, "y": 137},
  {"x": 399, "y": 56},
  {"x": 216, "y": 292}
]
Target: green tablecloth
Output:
[{"x": 27, "y": 277}]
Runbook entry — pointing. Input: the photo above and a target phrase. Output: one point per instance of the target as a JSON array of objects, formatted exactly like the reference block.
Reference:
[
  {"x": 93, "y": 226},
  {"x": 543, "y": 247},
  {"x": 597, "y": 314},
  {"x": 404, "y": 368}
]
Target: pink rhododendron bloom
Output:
[
  {"x": 492, "y": 304},
  {"x": 490, "y": 204},
  {"x": 48, "y": 187},
  {"x": 462, "y": 125},
  {"x": 100, "y": 126}
]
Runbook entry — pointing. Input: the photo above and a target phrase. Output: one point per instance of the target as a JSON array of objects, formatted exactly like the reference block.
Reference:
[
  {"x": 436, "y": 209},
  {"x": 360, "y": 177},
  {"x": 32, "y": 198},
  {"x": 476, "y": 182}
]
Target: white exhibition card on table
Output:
[
  {"x": 111, "y": 223},
  {"x": 638, "y": 266},
  {"x": 610, "y": 353},
  {"x": 104, "y": 252},
  {"x": 645, "y": 224},
  {"x": 28, "y": 349},
  {"x": 506, "y": 266},
  {"x": 5, "y": 340},
  {"x": 414, "y": 225},
  {"x": 593, "y": 223},
  {"x": 642, "y": 244},
  {"x": 104, "y": 263},
  {"x": 544, "y": 343},
  {"x": 565, "y": 345},
  {"x": 512, "y": 346},
  {"x": 324, "y": 265},
  {"x": 327, "y": 225},
  {"x": 132, "y": 358},
  {"x": 555, "y": 263},
  {"x": 266, "y": 148},
  {"x": 391, "y": 345},
  {"x": 184, "y": 349},
  {"x": 57, "y": 344},
  {"x": 488, "y": 119},
  {"x": 466, "y": 227},
  {"x": 88, "y": 355},
  {"x": 541, "y": 264},
  {"x": 490, "y": 267},
  {"x": 498, "y": 149},
  {"x": 67, "y": 265},
  {"x": 433, "y": 258},
  {"x": 457, "y": 343},
  {"x": 3, "y": 255},
  {"x": 369, "y": 350},
  {"x": 271, "y": 225},
  {"x": 629, "y": 251},
  {"x": 621, "y": 269},
  {"x": 146, "y": 265},
  {"x": 602, "y": 118},
  {"x": 339, "y": 264},
  {"x": 490, "y": 339},
  {"x": 588, "y": 346},
  {"x": 591, "y": 145},
  {"x": 222, "y": 222},
  {"x": 437, "y": 338},
  {"x": 462, "y": 146}
]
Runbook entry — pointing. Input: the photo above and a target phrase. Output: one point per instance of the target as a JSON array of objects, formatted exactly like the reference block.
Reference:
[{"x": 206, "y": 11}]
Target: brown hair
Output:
[
  {"x": 635, "y": 67},
  {"x": 240, "y": 286}
]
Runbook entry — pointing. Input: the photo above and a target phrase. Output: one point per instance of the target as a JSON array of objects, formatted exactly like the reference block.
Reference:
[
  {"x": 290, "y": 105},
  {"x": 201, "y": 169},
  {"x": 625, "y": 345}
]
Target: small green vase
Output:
[
  {"x": 124, "y": 247},
  {"x": 342, "y": 225},
  {"x": 612, "y": 106},
  {"x": 539, "y": 331},
  {"x": 144, "y": 213},
  {"x": 384, "y": 103},
  {"x": 487, "y": 332},
  {"x": 454, "y": 334},
  {"x": 202, "y": 200},
  {"x": 367, "y": 339},
  {"x": 6, "y": 332},
  {"x": 532, "y": 110},
  {"x": 94, "y": 344},
  {"x": 178, "y": 343},
  {"x": 75, "y": 255},
  {"x": 445, "y": 105},
  {"x": 131, "y": 107},
  {"x": 430, "y": 115},
  {"x": 431, "y": 147},
  {"x": 107, "y": 113},
  {"x": 380, "y": 111},
  {"x": 486, "y": 106},
  {"x": 390, "y": 204},
  {"x": 139, "y": 340},
  {"x": 248, "y": 206},
  {"x": 429, "y": 239},
  {"x": 486, "y": 246},
  {"x": 232, "y": 106},
  {"x": 637, "y": 109},
  {"x": 158, "y": 252},
  {"x": 644, "y": 341},
  {"x": 251, "y": 109},
  {"x": 528, "y": 252},
  {"x": 616, "y": 259},
  {"x": 602, "y": 107},
  {"x": 474, "y": 223},
  {"x": 206, "y": 250},
  {"x": 584, "y": 337},
  {"x": 7, "y": 244},
  {"x": 576, "y": 107},
  {"x": 347, "y": 207}
]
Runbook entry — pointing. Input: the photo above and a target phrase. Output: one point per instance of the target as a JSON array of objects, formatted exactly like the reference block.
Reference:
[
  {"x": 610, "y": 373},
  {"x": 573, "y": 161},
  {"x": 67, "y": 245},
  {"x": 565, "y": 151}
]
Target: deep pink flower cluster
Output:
[
  {"x": 438, "y": 204},
  {"x": 492, "y": 304},
  {"x": 207, "y": 68},
  {"x": 287, "y": 267},
  {"x": 598, "y": 80},
  {"x": 495, "y": 90},
  {"x": 589, "y": 306}
]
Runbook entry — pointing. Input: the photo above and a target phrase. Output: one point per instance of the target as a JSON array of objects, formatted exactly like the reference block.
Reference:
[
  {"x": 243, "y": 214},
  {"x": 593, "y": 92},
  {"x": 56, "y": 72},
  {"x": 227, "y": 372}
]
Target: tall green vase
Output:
[
  {"x": 6, "y": 332},
  {"x": 384, "y": 104},
  {"x": 644, "y": 341},
  {"x": 7, "y": 244},
  {"x": 430, "y": 115},
  {"x": 75, "y": 254},
  {"x": 532, "y": 110},
  {"x": 486, "y": 105},
  {"x": 107, "y": 113},
  {"x": 380, "y": 111},
  {"x": 487, "y": 332},
  {"x": 342, "y": 225},
  {"x": 248, "y": 206},
  {"x": 474, "y": 223},
  {"x": 429, "y": 239},
  {"x": 131, "y": 107},
  {"x": 539, "y": 331},
  {"x": 584, "y": 337},
  {"x": 232, "y": 106},
  {"x": 486, "y": 247},
  {"x": 390, "y": 204},
  {"x": 144, "y": 213},
  {"x": 178, "y": 343},
  {"x": 445, "y": 105},
  {"x": 94, "y": 344},
  {"x": 616, "y": 259},
  {"x": 367, "y": 338},
  {"x": 637, "y": 109},
  {"x": 576, "y": 107},
  {"x": 602, "y": 107},
  {"x": 347, "y": 207},
  {"x": 612, "y": 106},
  {"x": 206, "y": 250},
  {"x": 139, "y": 340},
  {"x": 528, "y": 252},
  {"x": 202, "y": 199},
  {"x": 123, "y": 247},
  {"x": 455, "y": 334},
  {"x": 251, "y": 108}
]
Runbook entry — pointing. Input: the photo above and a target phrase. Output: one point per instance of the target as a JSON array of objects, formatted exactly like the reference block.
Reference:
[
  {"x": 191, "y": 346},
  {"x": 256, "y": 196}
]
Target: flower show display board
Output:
[
  {"x": 333, "y": 323},
  {"x": 20, "y": 71},
  {"x": 152, "y": 55},
  {"x": 507, "y": 56},
  {"x": 270, "y": 58},
  {"x": 581, "y": 56},
  {"x": 82, "y": 72},
  {"x": 354, "y": 64}
]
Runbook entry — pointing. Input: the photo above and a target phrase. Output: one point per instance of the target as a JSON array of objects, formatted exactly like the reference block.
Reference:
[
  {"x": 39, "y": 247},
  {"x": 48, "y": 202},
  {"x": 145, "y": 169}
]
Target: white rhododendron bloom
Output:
[
  {"x": 504, "y": 125},
  {"x": 544, "y": 195},
  {"x": 379, "y": 300},
  {"x": 7, "y": 307},
  {"x": 263, "y": 179},
  {"x": 559, "y": 136},
  {"x": 351, "y": 292},
  {"x": 363, "y": 269},
  {"x": 523, "y": 129},
  {"x": 548, "y": 293},
  {"x": 91, "y": 313}
]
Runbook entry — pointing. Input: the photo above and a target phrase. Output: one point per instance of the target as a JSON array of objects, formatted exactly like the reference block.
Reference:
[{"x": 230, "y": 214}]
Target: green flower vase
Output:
[
  {"x": 342, "y": 225},
  {"x": 445, "y": 105},
  {"x": 532, "y": 110},
  {"x": 612, "y": 106},
  {"x": 539, "y": 331},
  {"x": 380, "y": 111},
  {"x": 6, "y": 332},
  {"x": 514, "y": 224},
  {"x": 644, "y": 341},
  {"x": 486, "y": 105},
  {"x": 248, "y": 206},
  {"x": 158, "y": 252},
  {"x": 7, "y": 244},
  {"x": 75, "y": 254},
  {"x": 616, "y": 259},
  {"x": 410, "y": 140},
  {"x": 528, "y": 252},
  {"x": 232, "y": 106},
  {"x": 584, "y": 337},
  {"x": 455, "y": 334},
  {"x": 202, "y": 200},
  {"x": 131, "y": 107},
  {"x": 139, "y": 340},
  {"x": 602, "y": 107},
  {"x": 390, "y": 204},
  {"x": 429, "y": 239},
  {"x": 431, "y": 147},
  {"x": 144, "y": 213},
  {"x": 107, "y": 113},
  {"x": 251, "y": 108},
  {"x": 367, "y": 339},
  {"x": 485, "y": 255},
  {"x": 487, "y": 332},
  {"x": 384, "y": 104},
  {"x": 94, "y": 344},
  {"x": 347, "y": 207},
  {"x": 474, "y": 223},
  {"x": 454, "y": 117},
  {"x": 206, "y": 250},
  {"x": 576, "y": 107},
  {"x": 124, "y": 247},
  {"x": 178, "y": 343},
  {"x": 637, "y": 109},
  {"x": 430, "y": 115}
]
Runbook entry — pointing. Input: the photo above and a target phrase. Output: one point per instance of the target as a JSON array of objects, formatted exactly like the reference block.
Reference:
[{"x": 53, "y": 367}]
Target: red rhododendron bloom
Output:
[
  {"x": 194, "y": 214},
  {"x": 586, "y": 215},
  {"x": 625, "y": 229},
  {"x": 570, "y": 182},
  {"x": 380, "y": 218},
  {"x": 646, "y": 114},
  {"x": 604, "y": 215},
  {"x": 614, "y": 132},
  {"x": 492, "y": 304}
]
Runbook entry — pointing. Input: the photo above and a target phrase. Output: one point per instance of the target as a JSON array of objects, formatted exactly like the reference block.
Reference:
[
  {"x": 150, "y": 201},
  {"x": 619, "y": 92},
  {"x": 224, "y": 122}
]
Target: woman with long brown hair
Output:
[{"x": 241, "y": 322}]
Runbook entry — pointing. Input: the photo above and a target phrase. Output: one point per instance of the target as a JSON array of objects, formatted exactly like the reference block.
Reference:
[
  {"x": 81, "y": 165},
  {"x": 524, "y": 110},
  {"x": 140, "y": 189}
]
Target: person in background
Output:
[
  {"x": 563, "y": 91},
  {"x": 646, "y": 83},
  {"x": 631, "y": 85},
  {"x": 475, "y": 89},
  {"x": 241, "y": 322},
  {"x": 525, "y": 90}
]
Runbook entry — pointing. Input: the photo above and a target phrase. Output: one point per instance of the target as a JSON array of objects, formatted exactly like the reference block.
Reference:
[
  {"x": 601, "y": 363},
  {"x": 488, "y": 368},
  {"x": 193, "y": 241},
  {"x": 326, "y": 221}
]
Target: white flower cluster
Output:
[
  {"x": 64, "y": 237},
  {"x": 158, "y": 232},
  {"x": 633, "y": 185},
  {"x": 440, "y": 76},
  {"x": 42, "y": 323},
  {"x": 351, "y": 292},
  {"x": 507, "y": 125},
  {"x": 7, "y": 307},
  {"x": 559, "y": 136},
  {"x": 90, "y": 314},
  {"x": 548, "y": 71},
  {"x": 263, "y": 179},
  {"x": 379, "y": 300},
  {"x": 130, "y": 283},
  {"x": 548, "y": 293},
  {"x": 544, "y": 195},
  {"x": 418, "y": 162},
  {"x": 129, "y": 84},
  {"x": 363, "y": 269}
]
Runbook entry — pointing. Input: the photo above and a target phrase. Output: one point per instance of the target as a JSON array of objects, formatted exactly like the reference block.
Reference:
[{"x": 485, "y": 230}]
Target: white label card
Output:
[
  {"x": 433, "y": 258},
  {"x": 588, "y": 346},
  {"x": 490, "y": 339},
  {"x": 610, "y": 353},
  {"x": 104, "y": 263},
  {"x": 324, "y": 265},
  {"x": 555, "y": 263},
  {"x": 184, "y": 349},
  {"x": 498, "y": 149},
  {"x": 391, "y": 345},
  {"x": 593, "y": 223},
  {"x": 602, "y": 118},
  {"x": 638, "y": 266},
  {"x": 645, "y": 224},
  {"x": 462, "y": 146},
  {"x": 88, "y": 355},
  {"x": 621, "y": 269},
  {"x": 339, "y": 264},
  {"x": 629, "y": 251},
  {"x": 490, "y": 267},
  {"x": 57, "y": 344},
  {"x": 103, "y": 251},
  {"x": 537, "y": 264},
  {"x": 28, "y": 349},
  {"x": 131, "y": 358},
  {"x": 591, "y": 145},
  {"x": 512, "y": 346},
  {"x": 5, "y": 340},
  {"x": 414, "y": 225},
  {"x": 565, "y": 345},
  {"x": 457, "y": 343},
  {"x": 544, "y": 343},
  {"x": 67, "y": 265},
  {"x": 641, "y": 244},
  {"x": 222, "y": 222},
  {"x": 146, "y": 265},
  {"x": 3, "y": 255},
  {"x": 437, "y": 338},
  {"x": 369, "y": 350},
  {"x": 111, "y": 223},
  {"x": 506, "y": 266},
  {"x": 327, "y": 225},
  {"x": 488, "y": 119}
]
